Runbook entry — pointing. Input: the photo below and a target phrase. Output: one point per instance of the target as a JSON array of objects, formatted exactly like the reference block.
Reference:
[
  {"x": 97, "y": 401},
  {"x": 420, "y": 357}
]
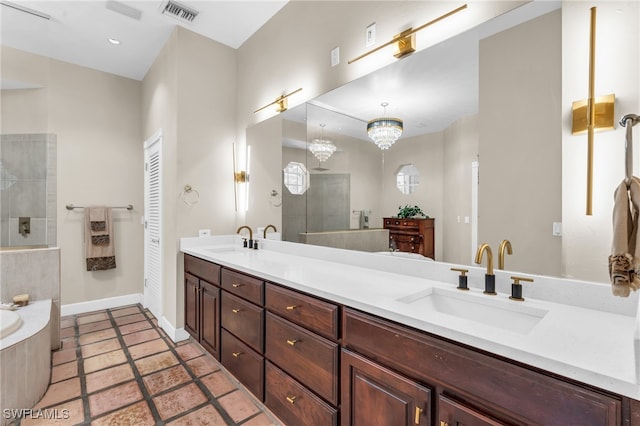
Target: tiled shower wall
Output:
[{"x": 28, "y": 189}]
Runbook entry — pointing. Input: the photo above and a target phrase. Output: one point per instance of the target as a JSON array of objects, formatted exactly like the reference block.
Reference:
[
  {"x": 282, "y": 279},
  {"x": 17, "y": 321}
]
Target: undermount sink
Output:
[
  {"x": 227, "y": 249},
  {"x": 488, "y": 310}
]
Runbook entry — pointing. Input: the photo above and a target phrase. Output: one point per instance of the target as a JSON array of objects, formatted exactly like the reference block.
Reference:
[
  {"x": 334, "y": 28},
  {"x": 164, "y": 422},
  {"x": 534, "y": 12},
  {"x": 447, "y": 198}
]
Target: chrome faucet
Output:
[
  {"x": 250, "y": 234},
  {"x": 489, "y": 277},
  {"x": 264, "y": 233},
  {"x": 505, "y": 244}
]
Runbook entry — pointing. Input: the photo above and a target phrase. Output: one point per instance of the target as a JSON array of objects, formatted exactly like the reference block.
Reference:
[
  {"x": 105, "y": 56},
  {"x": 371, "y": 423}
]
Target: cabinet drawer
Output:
[
  {"x": 454, "y": 413},
  {"x": 406, "y": 238},
  {"x": 244, "y": 363},
  {"x": 210, "y": 272},
  {"x": 293, "y": 403},
  {"x": 311, "y": 359},
  {"x": 243, "y": 319},
  {"x": 316, "y": 315},
  {"x": 247, "y": 287},
  {"x": 502, "y": 388}
]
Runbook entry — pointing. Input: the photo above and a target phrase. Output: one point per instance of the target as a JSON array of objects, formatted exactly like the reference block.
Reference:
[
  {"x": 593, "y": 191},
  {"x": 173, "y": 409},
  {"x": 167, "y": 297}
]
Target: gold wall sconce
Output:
[
  {"x": 241, "y": 180},
  {"x": 281, "y": 102},
  {"x": 405, "y": 42},
  {"x": 593, "y": 113}
]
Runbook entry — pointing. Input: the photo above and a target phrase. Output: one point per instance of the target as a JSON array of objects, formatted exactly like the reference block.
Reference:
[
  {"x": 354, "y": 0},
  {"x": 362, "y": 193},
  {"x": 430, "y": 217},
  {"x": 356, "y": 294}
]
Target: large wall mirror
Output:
[{"x": 483, "y": 126}]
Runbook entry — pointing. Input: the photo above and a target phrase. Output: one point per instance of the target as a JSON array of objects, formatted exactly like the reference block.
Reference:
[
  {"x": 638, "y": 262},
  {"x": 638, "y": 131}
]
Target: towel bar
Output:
[{"x": 128, "y": 207}]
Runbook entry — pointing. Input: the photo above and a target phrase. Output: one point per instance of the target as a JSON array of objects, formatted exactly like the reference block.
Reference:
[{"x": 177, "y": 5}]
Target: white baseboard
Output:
[
  {"x": 97, "y": 305},
  {"x": 175, "y": 334}
]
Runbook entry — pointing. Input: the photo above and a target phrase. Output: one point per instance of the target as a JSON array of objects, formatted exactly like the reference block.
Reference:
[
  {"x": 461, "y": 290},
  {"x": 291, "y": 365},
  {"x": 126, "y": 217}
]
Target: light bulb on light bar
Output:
[{"x": 114, "y": 41}]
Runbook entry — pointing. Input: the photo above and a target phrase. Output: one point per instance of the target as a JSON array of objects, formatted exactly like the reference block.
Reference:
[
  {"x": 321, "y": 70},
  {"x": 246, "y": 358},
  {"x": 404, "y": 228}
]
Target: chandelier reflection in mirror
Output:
[
  {"x": 322, "y": 149},
  {"x": 384, "y": 131}
]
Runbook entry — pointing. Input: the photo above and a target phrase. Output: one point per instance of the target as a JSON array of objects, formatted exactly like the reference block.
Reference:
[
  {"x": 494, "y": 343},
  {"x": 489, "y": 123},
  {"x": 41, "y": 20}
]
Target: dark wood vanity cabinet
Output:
[
  {"x": 373, "y": 394},
  {"x": 242, "y": 321},
  {"x": 411, "y": 235},
  {"x": 202, "y": 303},
  {"x": 303, "y": 357},
  {"x": 474, "y": 388}
]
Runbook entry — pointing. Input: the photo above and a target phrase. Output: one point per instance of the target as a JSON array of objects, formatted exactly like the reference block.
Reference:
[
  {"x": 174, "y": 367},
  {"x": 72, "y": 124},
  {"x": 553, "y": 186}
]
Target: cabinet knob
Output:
[
  {"x": 236, "y": 354},
  {"x": 291, "y": 399},
  {"x": 236, "y": 285},
  {"x": 292, "y": 342},
  {"x": 236, "y": 310},
  {"x": 291, "y": 308}
]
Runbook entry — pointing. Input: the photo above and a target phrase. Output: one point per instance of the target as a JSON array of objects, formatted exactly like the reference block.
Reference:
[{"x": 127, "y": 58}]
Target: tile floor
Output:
[{"x": 117, "y": 367}]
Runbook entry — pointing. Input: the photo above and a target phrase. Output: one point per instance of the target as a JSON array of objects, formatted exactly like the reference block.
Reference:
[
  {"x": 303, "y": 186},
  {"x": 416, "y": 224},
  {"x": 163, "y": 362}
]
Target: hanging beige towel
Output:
[
  {"x": 99, "y": 246},
  {"x": 624, "y": 261}
]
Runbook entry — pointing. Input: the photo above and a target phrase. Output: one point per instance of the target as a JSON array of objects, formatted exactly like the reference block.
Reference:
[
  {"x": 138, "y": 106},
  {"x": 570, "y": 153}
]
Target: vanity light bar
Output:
[
  {"x": 281, "y": 101},
  {"x": 406, "y": 40}
]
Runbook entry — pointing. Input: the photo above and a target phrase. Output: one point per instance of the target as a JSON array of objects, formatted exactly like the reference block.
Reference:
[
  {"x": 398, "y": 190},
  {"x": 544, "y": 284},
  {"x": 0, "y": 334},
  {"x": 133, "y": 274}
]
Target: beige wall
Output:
[
  {"x": 520, "y": 194},
  {"x": 96, "y": 117},
  {"x": 189, "y": 93}
]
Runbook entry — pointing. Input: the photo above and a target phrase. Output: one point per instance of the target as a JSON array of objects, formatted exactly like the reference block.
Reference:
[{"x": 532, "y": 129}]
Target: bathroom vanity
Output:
[{"x": 327, "y": 336}]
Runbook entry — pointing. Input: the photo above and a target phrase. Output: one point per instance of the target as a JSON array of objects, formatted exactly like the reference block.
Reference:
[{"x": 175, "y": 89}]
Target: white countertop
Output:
[{"x": 572, "y": 328}]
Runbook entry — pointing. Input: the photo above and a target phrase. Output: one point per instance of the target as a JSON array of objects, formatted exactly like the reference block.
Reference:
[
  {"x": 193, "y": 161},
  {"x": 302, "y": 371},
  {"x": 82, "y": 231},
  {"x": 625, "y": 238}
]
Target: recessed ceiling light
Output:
[{"x": 114, "y": 41}]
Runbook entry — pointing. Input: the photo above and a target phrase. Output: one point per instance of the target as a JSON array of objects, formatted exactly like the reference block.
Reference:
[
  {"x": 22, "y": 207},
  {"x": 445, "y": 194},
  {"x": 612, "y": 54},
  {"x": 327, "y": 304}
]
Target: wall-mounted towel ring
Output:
[
  {"x": 189, "y": 196},
  {"x": 275, "y": 199}
]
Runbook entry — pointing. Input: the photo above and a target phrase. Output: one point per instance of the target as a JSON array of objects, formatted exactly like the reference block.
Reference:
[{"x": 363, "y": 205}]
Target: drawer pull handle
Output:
[
  {"x": 418, "y": 412},
  {"x": 292, "y": 342},
  {"x": 443, "y": 423},
  {"x": 291, "y": 308},
  {"x": 236, "y": 310},
  {"x": 236, "y": 285},
  {"x": 236, "y": 354},
  {"x": 291, "y": 399}
]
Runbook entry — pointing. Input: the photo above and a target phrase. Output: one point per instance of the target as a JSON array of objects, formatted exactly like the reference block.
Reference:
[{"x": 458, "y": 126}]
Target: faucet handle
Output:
[
  {"x": 516, "y": 288},
  {"x": 462, "y": 278}
]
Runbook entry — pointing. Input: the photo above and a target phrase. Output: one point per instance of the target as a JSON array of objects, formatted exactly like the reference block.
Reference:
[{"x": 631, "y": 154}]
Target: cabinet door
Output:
[
  {"x": 191, "y": 306},
  {"x": 375, "y": 395},
  {"x": 210, "y": 318},
  {"x": 452, "y": 413}
]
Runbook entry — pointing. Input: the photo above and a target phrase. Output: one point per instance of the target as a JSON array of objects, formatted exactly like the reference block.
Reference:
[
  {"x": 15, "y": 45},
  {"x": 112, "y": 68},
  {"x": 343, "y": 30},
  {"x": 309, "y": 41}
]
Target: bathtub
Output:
[
  {"x": 25, "y": 356},
  {"x": 9, "y": 322}
]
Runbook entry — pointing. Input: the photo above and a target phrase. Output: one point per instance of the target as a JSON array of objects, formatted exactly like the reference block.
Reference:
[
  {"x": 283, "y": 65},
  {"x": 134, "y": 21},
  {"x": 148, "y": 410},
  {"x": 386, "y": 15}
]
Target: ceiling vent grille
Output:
[{"x": 179, "y": 11}]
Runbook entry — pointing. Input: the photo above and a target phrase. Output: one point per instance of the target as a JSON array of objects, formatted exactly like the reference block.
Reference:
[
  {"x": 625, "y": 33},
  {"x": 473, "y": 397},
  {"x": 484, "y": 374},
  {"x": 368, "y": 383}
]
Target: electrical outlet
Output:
[
  {"x": 335, "y": 56},
  {"x": 370, "y": 35},
  {"x": 204, "y": 233}
]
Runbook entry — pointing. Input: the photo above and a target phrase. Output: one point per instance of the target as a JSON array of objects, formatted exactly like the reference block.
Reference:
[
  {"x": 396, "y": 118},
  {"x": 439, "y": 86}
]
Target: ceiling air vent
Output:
[{"x": 179, "y": 11}]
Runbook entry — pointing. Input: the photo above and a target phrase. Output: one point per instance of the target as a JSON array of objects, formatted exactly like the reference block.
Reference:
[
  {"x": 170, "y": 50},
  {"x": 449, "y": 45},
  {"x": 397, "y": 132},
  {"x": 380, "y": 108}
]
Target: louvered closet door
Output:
[{"x": 153, "y": 225}]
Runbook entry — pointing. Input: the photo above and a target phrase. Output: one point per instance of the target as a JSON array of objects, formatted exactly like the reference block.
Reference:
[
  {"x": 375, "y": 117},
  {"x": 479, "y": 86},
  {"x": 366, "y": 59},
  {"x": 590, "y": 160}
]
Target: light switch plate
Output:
[
  {"x": 557, "y": 229},
  {"x": 370, "y": 35},
  {"x": 335, "y": 56}
]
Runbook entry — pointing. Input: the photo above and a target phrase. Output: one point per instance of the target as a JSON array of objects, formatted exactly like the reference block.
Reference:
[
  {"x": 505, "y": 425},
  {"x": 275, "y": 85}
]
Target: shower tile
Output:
[
  {"x": 178, "y": 401},
  {"x": 28, "y": 198},
  {"x": 166, "y": 379},
  {"x": 105, "y": 360},
  {"x": 238, "y": 405},
  {"x": 64, "y": 371},
  {"x": 137, "y": 414},
  {"x": 108, "y": 377},
  {"x": 147, "y": 348},
  {"x": 155, "y": 362},
  {"x": 114, "y": 398},
  {"x": 207, "y": 415}
]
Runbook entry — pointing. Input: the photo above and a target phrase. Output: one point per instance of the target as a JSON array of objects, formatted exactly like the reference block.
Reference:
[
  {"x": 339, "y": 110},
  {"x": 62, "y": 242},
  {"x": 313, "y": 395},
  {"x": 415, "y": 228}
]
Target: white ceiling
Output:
[{"x": 78, "y": 31}]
